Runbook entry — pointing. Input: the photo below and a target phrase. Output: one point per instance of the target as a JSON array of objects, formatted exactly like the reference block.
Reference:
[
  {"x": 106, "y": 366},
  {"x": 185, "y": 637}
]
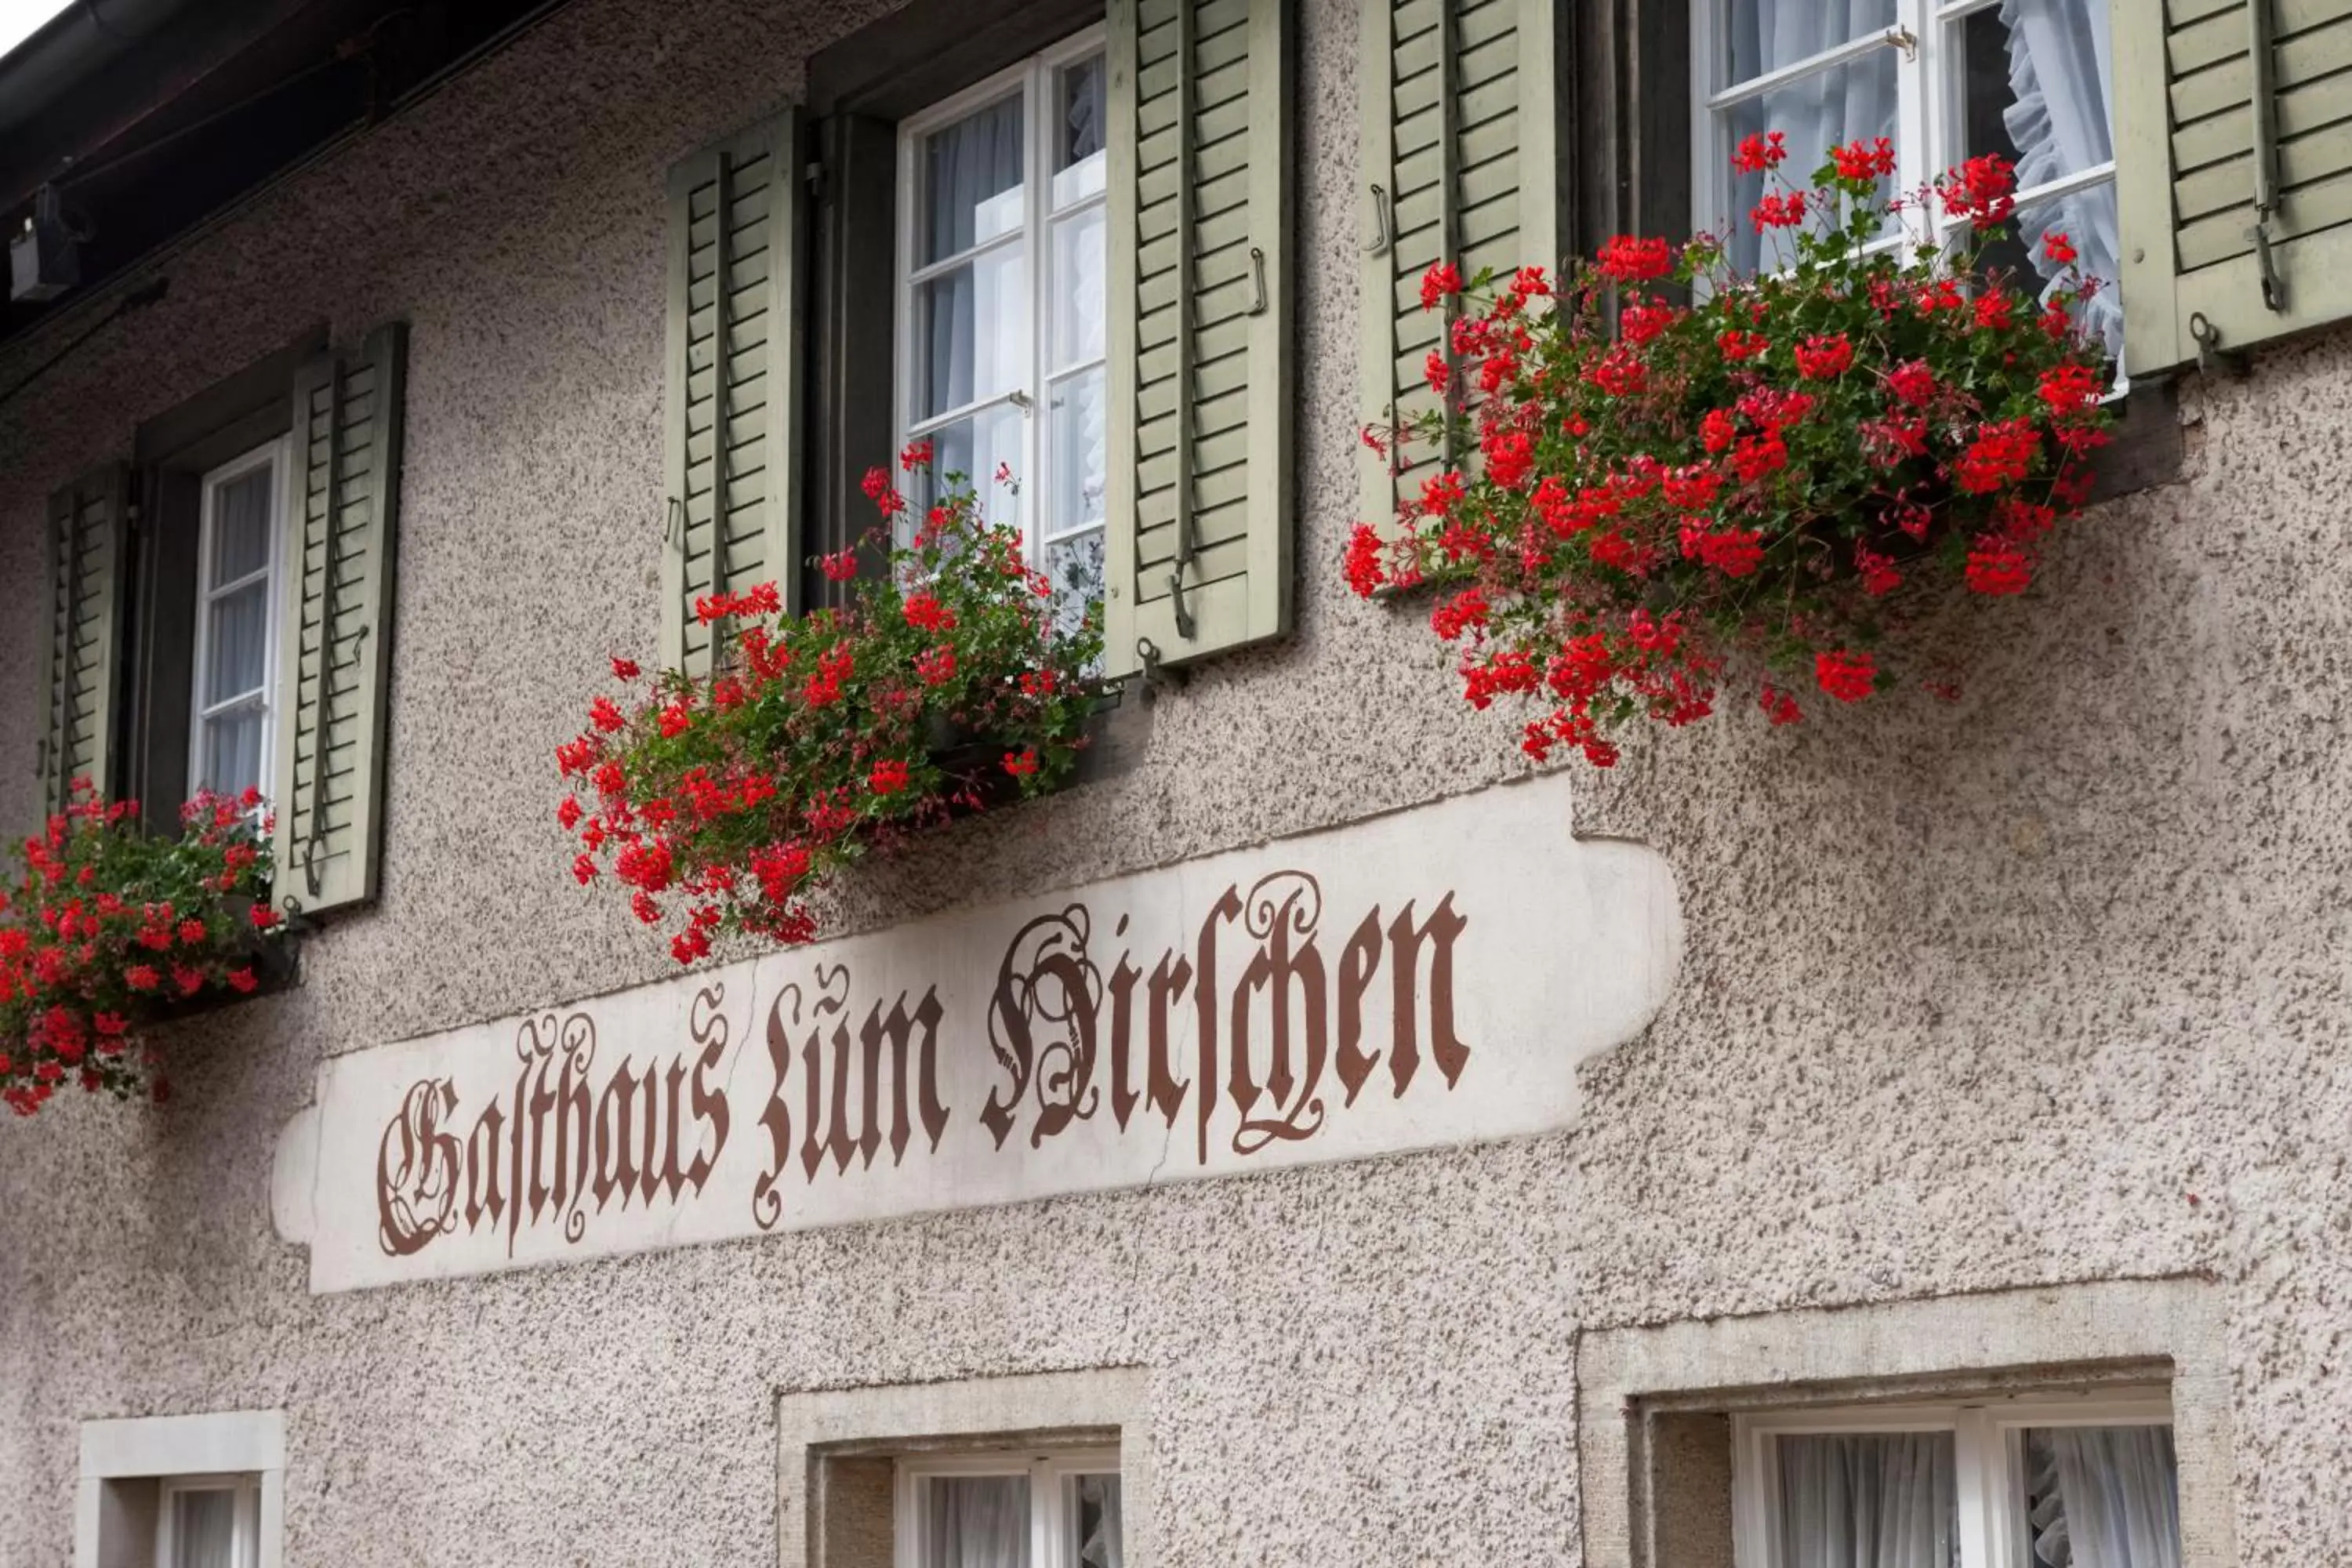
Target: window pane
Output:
[
  {"x": 978, "y": 448},
  {"x": 2102, "y": 1496},
  {"x": 2034, "y": 86},
  {"x": 976, "y": 1522},
  {"x": 2087, "y": 219},
  {"x": 1081, "y": 289},
  {"x": 1079, "y": 430},
  {"x": 1097, "y": 1525},
  {"x": 236, "y": 643},
  {"x": 1079, "y": 161},
  {"x": 1854, "y": 102},
  {"x": 241, "y": 524},
  {"x": 1872, "y": 1499},
  {"x": 204, "y": 1528},
  {"x": 230, "y": 752},
  {"x": 1076, "y": 566},
  {"x": 972, "y": 181},
  {"x": 972, "y": 331},
  {"x": 1763, "y": 36}
]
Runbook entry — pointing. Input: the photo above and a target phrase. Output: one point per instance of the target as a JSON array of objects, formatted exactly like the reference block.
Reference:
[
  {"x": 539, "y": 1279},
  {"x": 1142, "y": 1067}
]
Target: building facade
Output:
[{"x": 1883, "y": 1116}]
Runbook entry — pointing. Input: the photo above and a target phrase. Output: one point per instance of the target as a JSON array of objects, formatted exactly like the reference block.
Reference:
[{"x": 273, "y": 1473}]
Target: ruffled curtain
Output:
[
  {"x": 2059, "y": 68},
  {"x": 2103, "y": 1497},
  {"x": 1101, "y": 1518}
]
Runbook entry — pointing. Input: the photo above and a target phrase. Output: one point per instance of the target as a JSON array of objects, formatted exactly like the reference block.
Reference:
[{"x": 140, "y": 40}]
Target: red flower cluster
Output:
[
  {"x": 108, "y": 927},
  {"x": 1981, "y": 190},
  {"x": 719, "y": 800},
  {"x": 1781, "y": 469}
]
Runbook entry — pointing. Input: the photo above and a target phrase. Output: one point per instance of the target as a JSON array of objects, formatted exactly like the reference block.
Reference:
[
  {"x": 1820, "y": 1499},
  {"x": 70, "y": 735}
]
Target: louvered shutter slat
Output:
[
  {"x": 733, "y": 381},
  {"x": 1199, "y": 545},
  {"x": 2190, "y": 163},
  {"x": 334, "y": 675},
  {"x": 1462, "y": 155},
  {"x": 84, "y": 548}
]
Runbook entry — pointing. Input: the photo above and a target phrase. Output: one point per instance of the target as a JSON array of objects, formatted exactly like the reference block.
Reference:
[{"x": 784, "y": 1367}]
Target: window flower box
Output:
[
  {"x": 111, "y": 931},
  {"x": 953, "y": 683},
  {"x": 1679, "y": 465}
]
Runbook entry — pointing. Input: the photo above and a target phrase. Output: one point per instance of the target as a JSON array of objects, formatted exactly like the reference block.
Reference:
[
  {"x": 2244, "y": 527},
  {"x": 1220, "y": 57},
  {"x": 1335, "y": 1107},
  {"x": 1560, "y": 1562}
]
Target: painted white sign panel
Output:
[{"x": 1425, "y": 978}]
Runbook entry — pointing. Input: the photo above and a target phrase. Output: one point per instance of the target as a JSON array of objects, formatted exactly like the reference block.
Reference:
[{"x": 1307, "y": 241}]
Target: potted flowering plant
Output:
[
  {"x": 951, "y": 682},
  {"x": 110, "y": 929},
  {"x": 1783, "y": 466}
]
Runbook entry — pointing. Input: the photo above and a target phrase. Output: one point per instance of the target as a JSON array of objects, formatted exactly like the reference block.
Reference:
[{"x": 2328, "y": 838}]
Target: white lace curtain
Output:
[
  {"x": 204, "y": 1528},
  {"x": 2058, "y": 117},
  {"x": 971, "y": 185},
  {"x": 1874, "y": 1500},
  {"x": 977, "y": 1522},
  {"x": 1103, "y": 1521},
  {"x": 2059, "y": 70},
  {"x": 2103, "y": 1497}
]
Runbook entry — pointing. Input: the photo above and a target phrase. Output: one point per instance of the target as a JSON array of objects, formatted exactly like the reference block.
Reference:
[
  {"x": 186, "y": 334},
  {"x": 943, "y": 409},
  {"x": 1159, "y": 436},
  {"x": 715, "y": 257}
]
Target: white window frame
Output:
[
  {"x": 1988, "y": 1456},
  {"x": 273, "y": 455},
  {"x": 244, "y": 1543},
  {"x": 1032, "y": 80},
  {"x": 1928, "y": 96},
  {"x": 247, "y": 1444},
  {"x": 1053, "y": 1494}
]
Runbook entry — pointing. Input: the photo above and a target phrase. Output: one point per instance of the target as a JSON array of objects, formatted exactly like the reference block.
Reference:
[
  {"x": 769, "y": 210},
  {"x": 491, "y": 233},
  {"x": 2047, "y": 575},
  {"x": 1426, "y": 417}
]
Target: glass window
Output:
[
  {"x": 1010, "y": 1510},
  {"x": 208, "y": 1521},
  {"x": 233, "y": 706},
  {"x": 1868, "y": 1499},
  {"x": 2100, "y": 1497},
  {"x": 1946, "y": 80},
  {"x": 1005, "y": 299},
  {"x": 2030, "y": 1481}
]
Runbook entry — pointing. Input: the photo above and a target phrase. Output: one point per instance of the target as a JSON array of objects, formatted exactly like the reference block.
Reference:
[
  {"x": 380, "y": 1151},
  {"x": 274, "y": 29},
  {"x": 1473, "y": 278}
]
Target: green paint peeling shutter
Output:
[
  {"x": 734, "y": 372},
  {"x": 2234, "y": 143},
  {"x": 1200, "y": 390},
  {"x": 343, "y": 497},
  {"x": 84, "y": 550},
  {"x": 1463, "y": 160}
]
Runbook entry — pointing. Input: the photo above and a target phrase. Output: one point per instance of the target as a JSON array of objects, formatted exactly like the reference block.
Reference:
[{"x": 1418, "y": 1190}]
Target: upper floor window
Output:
[
  {"x": 999, "y": 1510},
  {"x": 1946, "y": 81},
  {"x": 231, "y": 734},
  {"x": 2028, "y": 1482},
  {"x": 1002, "y": 298}
]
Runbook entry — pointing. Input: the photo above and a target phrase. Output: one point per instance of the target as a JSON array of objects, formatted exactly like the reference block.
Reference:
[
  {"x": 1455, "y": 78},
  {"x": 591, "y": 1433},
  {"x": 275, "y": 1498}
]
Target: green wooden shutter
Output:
[
  {"x": 1199, "y": 545},
  {"x": 734, "y": 375},
  {"x": 84, "y": 548},
  {"x": 1463, "y": 160},
  {"x": 2234, "y": 138},
  {"x": 343, "y": 497}
]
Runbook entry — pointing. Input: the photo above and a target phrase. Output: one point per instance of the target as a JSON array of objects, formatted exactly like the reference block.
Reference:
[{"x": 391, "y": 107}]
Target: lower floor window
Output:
[
  {"x": 1010, "y": 1510},
  {"x": 208, "y": 1521},
  {"x": 2038, "y": 1482}
]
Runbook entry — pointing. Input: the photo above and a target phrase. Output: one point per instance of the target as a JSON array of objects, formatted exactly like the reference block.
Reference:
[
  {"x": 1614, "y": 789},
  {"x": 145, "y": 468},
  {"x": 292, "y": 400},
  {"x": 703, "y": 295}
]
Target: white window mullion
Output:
[
  {"x": 1917, "y": 104},
  {"x": 1707, "y": 180},
  {"x": 1983, "y": 1485},
  {"x": 1778, "y": 76},
  {"x": 1039, "y": 212},
  {"x": 1045, "y": 1543},
  {"x": 902, "y": 388}
]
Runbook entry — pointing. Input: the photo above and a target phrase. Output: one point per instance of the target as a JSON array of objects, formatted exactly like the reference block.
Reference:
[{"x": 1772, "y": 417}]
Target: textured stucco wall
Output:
[{"x": 2045, "y": 986}]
